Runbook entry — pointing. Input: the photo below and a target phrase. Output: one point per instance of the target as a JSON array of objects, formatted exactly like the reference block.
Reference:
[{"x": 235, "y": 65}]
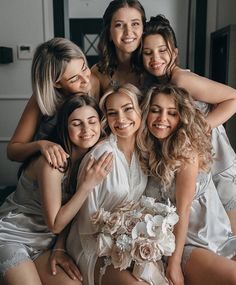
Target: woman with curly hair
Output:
[
  {"x": 160, "y": 60},
  {"x": 119, "y": 44},
  {"x": 177, "y": 156}
]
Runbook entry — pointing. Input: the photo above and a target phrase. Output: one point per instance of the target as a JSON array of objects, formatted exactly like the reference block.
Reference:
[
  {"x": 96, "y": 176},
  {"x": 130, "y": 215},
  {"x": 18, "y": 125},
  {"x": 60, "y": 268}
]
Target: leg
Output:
[
  {"x": 115, "y": 276},
  {"x": 23, "y": 273},
  {"x": 207, "y": 268},
  {"x": 61, "y": 278}
]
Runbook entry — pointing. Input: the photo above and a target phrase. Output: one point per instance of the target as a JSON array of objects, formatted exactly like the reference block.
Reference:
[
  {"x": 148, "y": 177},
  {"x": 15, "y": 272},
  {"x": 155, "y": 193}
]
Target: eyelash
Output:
[
  {"x": 159, "y": 111},
  {"x": 79, "y": 124},
  {"x": 135, "y": 24},
  {"x": 127, "y": 109}
]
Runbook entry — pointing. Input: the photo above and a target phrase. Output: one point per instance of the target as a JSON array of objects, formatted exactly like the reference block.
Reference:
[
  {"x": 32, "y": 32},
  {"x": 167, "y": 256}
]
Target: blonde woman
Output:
[
  {"x": 59, "y": 68},
  {"x": 178, "y": 153},
  {"x": 125, "y": 182}
]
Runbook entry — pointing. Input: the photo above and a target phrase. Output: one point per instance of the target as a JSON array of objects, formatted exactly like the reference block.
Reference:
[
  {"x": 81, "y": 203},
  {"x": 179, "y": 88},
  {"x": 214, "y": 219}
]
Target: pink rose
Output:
[
  {"x": 130, "y": 222},
  {"x": 145, "y": 250},
  {"x": 113, "y": 223}
]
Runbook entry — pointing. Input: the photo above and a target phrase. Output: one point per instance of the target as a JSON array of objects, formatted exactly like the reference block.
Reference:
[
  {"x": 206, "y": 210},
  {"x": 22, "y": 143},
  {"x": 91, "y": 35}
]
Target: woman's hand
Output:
[
  {"x": 54, "y": 154},
  {"x": 62, "y": 259},
  {"x": 174, "y": 274},
  {"x": 96, "y": 170}
]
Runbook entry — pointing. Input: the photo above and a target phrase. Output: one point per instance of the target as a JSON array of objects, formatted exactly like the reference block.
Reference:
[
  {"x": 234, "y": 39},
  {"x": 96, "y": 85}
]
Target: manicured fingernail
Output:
[{"x": 54, "y": 273}]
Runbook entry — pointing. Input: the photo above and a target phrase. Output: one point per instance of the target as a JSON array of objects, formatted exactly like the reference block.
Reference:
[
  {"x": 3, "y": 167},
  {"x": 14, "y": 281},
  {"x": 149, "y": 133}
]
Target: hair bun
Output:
[{"x": 160, "y": 19}]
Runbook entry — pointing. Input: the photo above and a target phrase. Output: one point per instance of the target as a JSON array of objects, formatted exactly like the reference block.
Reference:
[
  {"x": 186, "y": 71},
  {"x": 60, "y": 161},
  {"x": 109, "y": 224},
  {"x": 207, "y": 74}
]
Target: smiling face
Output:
[
  {"x": 163, "y": 117},
  {"x": 76, "y": 77},
  {"x": 84, "y": 127},
  {"x": 122, "y": 118},
  {"x": 156, "y": 55},
  {"x": 126, "y": 29}
]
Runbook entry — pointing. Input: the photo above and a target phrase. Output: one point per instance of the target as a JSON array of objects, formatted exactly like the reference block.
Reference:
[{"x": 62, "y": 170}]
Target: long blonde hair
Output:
[
  {"x": 192, "y": 135},
  {"x": 49, "y": 63}
]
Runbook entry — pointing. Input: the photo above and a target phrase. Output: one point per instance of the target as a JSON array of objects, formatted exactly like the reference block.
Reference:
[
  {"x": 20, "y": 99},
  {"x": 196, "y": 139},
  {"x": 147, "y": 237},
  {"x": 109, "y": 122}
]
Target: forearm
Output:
[
  {"x": 68, "y": 211},
  {"x": 180, "y": 232},
  {"x": 221, "y": 113},
  {"x": 18, "y": 151},
  {"x": 61, "y": 239}
]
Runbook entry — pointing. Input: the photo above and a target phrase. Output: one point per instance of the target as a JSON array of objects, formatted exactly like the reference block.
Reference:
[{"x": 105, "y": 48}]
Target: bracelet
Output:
[{"x": 59, "y": 249}]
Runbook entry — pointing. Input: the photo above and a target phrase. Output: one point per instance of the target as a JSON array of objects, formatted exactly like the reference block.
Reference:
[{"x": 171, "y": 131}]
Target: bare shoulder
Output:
[
  {"x": 95, "y": 90},
  {"x": 104, "y": 79},
  {"x": 181, "y": 76},
  {"x": 95, "y": 71},
  {"x": 41, "y": 167}
]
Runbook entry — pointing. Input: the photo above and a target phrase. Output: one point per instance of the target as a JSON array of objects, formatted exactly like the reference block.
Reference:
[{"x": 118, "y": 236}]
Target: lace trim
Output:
[
  {"x": 102, "y": 271},
  {"x": 9, "y": 263}
]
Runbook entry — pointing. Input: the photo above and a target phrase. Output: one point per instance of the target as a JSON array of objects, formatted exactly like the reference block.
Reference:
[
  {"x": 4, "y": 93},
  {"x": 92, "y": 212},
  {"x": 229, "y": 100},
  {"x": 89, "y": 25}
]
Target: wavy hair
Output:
[
  {"x": 192, "y": 135},
  {"x": 49, "y": 63},
  {"x": 108, "y": 59}
]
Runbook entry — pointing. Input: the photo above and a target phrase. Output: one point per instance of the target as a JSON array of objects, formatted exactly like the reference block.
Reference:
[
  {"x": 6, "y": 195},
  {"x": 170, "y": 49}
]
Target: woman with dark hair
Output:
[
  {"x": 160, "y": 60},
  {"x": 120, "y": 43},
  {"x": 45, "y": 201}
]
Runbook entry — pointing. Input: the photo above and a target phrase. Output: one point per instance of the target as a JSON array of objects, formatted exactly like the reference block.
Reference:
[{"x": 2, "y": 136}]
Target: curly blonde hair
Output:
[{"x": 192, "y": 136}]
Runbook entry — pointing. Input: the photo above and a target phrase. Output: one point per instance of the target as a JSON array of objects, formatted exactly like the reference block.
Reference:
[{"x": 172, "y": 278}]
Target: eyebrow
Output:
[
  {"x": 123, "y": 106},
  {"x": 132, "y": 20},
  {"x": 157, "y": 46},
  {"x": 170, "y": 108},
  {"x": 91, "y": 117}
]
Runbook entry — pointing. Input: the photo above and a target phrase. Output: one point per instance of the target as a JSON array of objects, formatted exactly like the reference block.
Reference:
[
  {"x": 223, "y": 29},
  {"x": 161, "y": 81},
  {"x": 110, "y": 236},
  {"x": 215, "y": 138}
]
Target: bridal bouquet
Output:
[{"x": 137, "y": 234}]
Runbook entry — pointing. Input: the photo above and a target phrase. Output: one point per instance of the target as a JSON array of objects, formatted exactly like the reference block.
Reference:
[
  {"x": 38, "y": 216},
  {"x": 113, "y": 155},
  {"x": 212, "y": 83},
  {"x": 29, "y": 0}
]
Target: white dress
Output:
[{"x": 124, "y": 183}]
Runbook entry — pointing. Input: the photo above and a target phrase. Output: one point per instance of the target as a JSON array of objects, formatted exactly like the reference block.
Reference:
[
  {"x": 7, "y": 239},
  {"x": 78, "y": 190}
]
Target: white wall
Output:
[
  {"x": 27, "y": 22},
  {"x": 175, "y": 10}
]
